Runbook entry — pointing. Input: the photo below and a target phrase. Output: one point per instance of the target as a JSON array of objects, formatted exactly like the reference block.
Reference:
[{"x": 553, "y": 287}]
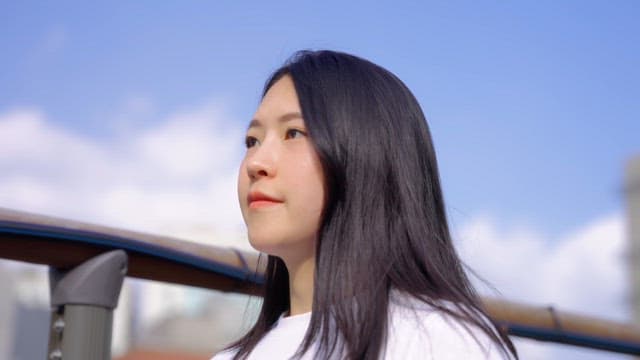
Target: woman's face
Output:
[{"x": 281, "y": 182}]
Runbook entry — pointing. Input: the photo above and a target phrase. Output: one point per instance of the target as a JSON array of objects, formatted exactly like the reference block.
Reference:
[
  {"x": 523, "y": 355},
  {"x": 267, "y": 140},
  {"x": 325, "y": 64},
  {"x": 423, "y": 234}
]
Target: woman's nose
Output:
[{"x": 261, "y": 163}]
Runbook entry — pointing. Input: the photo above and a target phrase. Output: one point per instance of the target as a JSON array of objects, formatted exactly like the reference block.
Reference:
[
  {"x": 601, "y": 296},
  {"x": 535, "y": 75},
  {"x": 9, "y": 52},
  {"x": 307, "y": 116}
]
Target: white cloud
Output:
[
  {"x": 188, "y": 145},
  {"x": 582, "y": 272},
  {"x": 175, "y": 178}
]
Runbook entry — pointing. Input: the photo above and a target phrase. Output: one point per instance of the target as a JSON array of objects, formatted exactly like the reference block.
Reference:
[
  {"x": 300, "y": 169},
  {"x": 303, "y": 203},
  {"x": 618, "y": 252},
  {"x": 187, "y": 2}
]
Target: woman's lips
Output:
[
  {"x": 259, "y": 200},
  {"x": 258, "y": 204}
]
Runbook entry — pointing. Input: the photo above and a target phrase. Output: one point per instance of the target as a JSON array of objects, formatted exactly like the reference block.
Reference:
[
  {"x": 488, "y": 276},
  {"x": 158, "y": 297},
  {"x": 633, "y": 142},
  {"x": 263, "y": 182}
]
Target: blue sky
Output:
[{"x": 534, "y": 109}]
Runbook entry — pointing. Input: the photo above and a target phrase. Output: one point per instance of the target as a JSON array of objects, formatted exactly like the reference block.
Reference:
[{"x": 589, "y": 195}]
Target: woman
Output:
[{"x": 340, "y": 187}]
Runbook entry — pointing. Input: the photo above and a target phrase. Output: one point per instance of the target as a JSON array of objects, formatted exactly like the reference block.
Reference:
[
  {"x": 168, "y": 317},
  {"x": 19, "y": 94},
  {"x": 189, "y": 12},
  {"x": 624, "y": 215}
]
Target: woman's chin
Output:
[
  {"x": 266, "y": 245},
  {"x": 282, "y": 249}
]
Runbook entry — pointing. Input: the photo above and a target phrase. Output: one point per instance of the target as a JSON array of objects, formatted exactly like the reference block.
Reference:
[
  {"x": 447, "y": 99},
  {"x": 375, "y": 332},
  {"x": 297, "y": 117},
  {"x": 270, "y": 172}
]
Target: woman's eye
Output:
[
  {"x": 250, "y": 141},
  {"x": 294, "y": 133}
]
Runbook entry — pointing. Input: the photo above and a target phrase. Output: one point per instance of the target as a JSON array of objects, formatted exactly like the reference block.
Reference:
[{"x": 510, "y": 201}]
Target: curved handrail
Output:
[
  {"x": 62, "y": 243},
  {"x": 546, "y": 323}
]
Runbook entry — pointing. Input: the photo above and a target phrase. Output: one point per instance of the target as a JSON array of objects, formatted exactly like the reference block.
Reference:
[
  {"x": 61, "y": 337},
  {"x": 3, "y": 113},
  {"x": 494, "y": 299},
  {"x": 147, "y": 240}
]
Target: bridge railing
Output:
[{"x": 88, "y": 262}]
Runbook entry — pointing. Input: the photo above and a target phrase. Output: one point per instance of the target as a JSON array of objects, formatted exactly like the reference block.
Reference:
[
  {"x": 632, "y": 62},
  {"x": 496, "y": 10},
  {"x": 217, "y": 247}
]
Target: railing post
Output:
[{"x": 82, "y": 303}]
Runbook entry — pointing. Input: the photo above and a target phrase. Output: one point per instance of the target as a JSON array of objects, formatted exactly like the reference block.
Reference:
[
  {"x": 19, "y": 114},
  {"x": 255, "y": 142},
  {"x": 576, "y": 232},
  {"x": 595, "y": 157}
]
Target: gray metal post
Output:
[
  {"x": 632, "y": 190},
  {"x": 82, "y": 303}
]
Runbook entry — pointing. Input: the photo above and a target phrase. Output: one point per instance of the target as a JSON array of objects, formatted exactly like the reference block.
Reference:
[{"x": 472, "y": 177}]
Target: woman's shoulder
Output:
[
  {"x": 421, "y": 330},
  {"x": 281, "y": 341}
]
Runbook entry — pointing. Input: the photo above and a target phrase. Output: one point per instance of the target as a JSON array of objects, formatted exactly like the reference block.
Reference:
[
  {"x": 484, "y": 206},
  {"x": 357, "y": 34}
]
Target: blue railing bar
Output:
[
  {"x": 83, "y": 236},
  {"x": 569, "y": 338}
]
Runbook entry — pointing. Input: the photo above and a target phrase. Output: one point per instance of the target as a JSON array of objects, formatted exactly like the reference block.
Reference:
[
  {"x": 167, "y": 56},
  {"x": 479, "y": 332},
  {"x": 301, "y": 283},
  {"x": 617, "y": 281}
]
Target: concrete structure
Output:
[
  {"x": 24, "y": 311},
  {"x": 632, "y": 192},
  {"x": 6, "y": 313}
]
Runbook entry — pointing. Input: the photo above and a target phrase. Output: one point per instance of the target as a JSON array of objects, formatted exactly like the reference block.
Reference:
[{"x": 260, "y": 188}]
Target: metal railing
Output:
[{"x": 88, "y": 263}]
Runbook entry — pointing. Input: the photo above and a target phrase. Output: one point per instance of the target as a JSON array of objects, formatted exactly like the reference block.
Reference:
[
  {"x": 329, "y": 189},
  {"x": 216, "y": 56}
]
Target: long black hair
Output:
[{"x": 383, "y": 224}]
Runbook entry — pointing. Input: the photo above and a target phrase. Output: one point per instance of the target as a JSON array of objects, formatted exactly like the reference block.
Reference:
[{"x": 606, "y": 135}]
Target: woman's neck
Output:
[{"x": 301, "y": 274}]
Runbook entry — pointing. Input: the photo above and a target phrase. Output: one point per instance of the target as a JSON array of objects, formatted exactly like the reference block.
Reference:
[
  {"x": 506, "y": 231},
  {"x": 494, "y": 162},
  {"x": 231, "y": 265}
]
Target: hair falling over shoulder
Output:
[{"x": 383, "y": 225}]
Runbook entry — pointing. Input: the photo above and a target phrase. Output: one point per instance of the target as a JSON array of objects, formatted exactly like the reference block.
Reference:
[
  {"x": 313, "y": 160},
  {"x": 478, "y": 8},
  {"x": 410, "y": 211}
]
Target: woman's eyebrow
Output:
[{"x": 283, "y": 118}]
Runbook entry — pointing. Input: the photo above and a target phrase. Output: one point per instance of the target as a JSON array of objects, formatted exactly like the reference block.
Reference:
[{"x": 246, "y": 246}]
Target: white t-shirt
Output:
[{"x": 416, "y": 331}]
